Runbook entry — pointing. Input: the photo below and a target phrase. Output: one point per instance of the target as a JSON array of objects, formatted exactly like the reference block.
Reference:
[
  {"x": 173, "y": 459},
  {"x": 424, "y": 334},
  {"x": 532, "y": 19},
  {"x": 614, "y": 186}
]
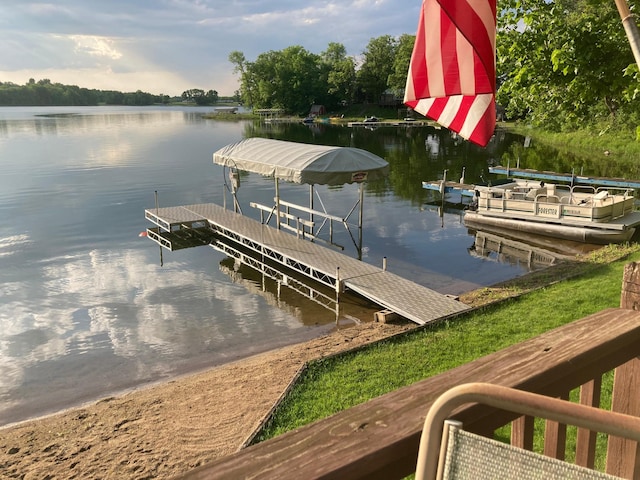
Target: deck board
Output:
[{"x": 404, "y": 297}]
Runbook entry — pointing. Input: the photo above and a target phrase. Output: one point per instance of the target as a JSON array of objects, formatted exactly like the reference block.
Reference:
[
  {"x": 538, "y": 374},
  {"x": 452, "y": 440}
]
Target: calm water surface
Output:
[{"x": 86, "y": 309}]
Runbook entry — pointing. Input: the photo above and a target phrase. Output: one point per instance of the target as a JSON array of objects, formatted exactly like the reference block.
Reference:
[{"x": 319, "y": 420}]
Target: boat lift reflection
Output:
[
  {"x": 503, "y": 250},
  {"x": 310, "y": 303}
]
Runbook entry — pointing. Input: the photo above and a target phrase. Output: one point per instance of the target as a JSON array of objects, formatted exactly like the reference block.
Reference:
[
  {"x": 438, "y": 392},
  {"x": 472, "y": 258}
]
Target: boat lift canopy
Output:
[{"x": 303, "y": 164}]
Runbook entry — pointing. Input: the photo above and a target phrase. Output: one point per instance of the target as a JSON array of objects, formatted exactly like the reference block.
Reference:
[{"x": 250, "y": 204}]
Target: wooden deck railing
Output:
[{"x": 379, "y": 439}]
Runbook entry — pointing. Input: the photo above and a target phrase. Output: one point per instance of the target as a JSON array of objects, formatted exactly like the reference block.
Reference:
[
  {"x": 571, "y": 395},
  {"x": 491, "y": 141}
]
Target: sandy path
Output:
[{"x": 166, "y": 429}]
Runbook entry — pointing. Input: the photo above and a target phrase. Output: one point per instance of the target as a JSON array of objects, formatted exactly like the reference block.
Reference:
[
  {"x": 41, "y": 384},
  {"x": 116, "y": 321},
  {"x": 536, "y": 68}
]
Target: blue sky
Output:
[{"x": 168, "y": 46}]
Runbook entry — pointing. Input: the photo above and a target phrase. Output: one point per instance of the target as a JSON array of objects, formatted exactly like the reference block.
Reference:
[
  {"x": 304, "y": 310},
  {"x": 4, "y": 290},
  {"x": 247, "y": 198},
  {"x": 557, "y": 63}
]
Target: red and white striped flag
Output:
[{"x": 452, "y": 74}]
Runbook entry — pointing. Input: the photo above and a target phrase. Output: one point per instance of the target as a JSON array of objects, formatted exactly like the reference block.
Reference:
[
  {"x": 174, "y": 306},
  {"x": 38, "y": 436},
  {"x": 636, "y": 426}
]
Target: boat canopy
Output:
[{"x": 301, "y": 162}]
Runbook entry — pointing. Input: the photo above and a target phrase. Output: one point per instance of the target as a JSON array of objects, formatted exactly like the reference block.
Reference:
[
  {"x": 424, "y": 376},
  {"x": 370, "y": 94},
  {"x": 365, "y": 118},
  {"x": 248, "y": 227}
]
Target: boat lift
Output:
[{"x": 302, "y": 164}]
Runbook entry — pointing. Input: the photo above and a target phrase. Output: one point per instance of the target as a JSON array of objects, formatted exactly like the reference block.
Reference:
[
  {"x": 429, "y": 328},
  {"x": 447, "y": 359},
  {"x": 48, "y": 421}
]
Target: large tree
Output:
[
  {"x": 240, "y": 66},
  {"x": 562, "y": 63},
  {"x": 341, "y": 74},
  {"x": 377, "y": 67},
  {"x": 292, "y": 79},
  {"x": 401, "y": 61}
]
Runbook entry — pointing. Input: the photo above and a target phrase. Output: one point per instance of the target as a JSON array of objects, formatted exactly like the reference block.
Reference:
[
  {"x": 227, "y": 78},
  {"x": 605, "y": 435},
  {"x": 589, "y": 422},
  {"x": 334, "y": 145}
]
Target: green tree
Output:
[
  {"x": 241, "y": 66},
  {"x": 377, "y": 67},
  {"x": 292, "y": 79},
  {"x": 561, "y": 64},
  {"x": 212, "y": 97},
  {"x": 196, "y": 95},
  {"x": 341, "y": 74},
  {"x": 402, "y": 59}
]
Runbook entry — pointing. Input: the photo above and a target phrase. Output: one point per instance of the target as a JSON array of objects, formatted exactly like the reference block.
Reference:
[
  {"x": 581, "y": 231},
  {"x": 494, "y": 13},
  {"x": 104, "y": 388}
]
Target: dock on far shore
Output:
[
  {"x": 444, "y": 187},
  {"x": 327, "y": 266},
  {"x": 389, "y": 123}
]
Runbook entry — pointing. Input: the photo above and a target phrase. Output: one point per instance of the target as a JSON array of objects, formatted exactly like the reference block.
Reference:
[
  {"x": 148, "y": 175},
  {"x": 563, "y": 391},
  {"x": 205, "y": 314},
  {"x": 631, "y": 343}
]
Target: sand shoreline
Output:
[
  {"x": 164, "y": 429},
  {"x": 9, "y": 417}
]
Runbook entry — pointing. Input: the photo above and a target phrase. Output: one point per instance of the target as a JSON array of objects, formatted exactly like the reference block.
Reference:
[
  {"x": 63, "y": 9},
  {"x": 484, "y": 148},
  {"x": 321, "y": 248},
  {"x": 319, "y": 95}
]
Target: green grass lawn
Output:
[{"x": 337, "y": 383}]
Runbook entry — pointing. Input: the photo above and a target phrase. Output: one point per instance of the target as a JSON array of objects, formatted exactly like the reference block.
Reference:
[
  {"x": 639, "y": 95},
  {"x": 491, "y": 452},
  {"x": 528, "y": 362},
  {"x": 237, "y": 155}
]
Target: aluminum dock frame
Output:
[{"x": 392, "y": 292}]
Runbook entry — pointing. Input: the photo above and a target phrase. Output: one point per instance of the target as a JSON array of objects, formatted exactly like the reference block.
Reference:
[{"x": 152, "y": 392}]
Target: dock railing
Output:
[{"x": 379, "y": 439}]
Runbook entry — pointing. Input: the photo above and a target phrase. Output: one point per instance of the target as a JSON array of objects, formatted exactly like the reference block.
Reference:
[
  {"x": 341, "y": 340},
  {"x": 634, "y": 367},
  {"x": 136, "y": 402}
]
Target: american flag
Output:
[{"x": 452, "y": 74}]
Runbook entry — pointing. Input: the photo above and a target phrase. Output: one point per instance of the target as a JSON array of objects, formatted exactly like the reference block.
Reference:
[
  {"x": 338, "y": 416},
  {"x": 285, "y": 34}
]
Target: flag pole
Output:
[{"x": 630, "y": 28}]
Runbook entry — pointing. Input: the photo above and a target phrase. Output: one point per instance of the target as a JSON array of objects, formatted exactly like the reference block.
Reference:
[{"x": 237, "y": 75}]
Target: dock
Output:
[
  {"x": 565, "y": 177},
  {"x": 410, "y": 300},
  {"x": 444, "y": 187}
]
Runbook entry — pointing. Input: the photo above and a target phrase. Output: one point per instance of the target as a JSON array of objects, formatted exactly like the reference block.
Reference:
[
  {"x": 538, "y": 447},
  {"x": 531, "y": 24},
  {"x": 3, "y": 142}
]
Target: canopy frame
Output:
[
  {"x": 307, "y": 222},
  {"x": 306, "y": 228}
]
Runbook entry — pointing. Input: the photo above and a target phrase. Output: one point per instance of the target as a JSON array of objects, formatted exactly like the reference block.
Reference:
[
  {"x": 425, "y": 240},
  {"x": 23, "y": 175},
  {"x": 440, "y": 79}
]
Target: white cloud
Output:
[
  {"x": 130, "y": 302},
  {"x": 96, "y": 46},
  {"x": 175, "y": 45}
]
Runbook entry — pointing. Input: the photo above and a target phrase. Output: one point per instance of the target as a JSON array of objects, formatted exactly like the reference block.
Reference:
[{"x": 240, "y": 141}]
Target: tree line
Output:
[
  {"x": 199, "y": 97},
  {"x": 293, "y": 79},
  {"x": 44, "y": 92}
]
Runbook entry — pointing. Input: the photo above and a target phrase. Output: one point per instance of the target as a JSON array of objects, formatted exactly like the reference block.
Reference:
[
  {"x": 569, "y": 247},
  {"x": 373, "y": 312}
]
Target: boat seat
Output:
[
  {"x": 532, "y": 194},
  {"x": 601, "y": 195}
]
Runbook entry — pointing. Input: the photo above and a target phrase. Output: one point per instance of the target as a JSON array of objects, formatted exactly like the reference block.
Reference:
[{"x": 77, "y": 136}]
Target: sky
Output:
[{"x": 169, "y": 46}]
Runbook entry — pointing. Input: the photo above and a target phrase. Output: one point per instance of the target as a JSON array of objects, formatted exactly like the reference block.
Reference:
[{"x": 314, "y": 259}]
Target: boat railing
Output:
[{"x": 577, "y": 202}]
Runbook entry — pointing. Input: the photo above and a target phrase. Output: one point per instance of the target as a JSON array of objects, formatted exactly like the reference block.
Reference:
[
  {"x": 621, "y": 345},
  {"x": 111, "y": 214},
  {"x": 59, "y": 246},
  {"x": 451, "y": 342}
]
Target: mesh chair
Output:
[{"x": 449, "y": 452}]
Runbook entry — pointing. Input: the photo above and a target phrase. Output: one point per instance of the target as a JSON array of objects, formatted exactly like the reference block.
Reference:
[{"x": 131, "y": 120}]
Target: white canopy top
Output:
[{"x": 301, "y": 162}]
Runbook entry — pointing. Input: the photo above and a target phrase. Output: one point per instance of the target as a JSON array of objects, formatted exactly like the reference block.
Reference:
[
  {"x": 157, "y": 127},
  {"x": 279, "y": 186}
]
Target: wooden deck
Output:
[{"x": 392, "y": 292}]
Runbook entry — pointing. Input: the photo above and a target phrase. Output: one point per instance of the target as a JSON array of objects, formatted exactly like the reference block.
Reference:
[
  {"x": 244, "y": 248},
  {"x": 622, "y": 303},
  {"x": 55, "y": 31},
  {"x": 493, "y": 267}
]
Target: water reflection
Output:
[
  {"x": 502, "y": 249},
  {"x": 309, "y": 302},
  {"x": 116, "y": 306}
]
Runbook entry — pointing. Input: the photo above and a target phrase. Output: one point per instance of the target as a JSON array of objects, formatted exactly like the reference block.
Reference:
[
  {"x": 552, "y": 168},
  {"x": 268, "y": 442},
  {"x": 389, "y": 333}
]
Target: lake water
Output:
[{"x": 87, "y": 309}]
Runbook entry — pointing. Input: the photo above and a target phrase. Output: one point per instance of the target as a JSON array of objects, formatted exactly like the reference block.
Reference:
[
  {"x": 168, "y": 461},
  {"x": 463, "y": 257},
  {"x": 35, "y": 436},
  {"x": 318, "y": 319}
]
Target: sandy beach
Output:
[{"x": 166, "y": 429}]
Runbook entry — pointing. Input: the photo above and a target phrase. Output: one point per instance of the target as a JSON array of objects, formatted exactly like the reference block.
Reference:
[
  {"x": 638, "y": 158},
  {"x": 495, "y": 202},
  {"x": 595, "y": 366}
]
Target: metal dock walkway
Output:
[
  {"x": 565, "y": 177},
  {"x": 408, "y": 299}
]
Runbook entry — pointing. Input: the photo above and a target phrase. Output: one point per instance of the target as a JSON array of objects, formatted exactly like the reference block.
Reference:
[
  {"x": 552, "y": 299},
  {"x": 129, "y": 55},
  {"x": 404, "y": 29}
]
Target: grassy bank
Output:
[
  {"x": 620, "y": 145},
  {"x": 337, "y": 383}
]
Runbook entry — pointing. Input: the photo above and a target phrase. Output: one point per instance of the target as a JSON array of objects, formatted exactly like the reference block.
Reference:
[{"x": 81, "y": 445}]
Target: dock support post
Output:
[
  {"x": 277, "y": 204},
  {"x": 311, "y": 204},
  {"x": 360, "y": 219},
  {"x": 384, "y": 264}
]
